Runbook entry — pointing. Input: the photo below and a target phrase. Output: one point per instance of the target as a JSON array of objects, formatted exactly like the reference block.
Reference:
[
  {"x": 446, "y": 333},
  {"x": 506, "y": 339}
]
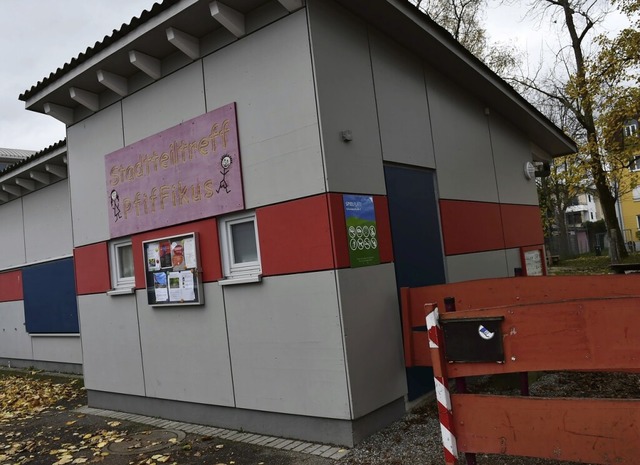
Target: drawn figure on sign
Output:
[
  {"x": 225, "y": 163},
  {"x": 115, "y": 204}
]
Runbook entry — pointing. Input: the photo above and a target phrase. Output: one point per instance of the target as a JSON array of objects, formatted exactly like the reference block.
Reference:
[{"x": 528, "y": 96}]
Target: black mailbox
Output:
[{"x": 473, "y": 339}]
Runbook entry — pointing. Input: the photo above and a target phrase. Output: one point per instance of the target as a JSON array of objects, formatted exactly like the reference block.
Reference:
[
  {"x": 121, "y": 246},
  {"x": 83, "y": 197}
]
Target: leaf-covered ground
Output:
[
  {"x": 22, "y": 397},
  {"x": 39, "y": 426}
]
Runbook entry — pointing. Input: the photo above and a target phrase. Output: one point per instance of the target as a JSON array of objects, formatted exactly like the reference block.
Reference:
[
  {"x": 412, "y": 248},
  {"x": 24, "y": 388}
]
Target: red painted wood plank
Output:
[
  {"x": 496, "y": 292},
  {"x": 588, "y": 335},
  {"x": 580, "y": 430},
  {"x": 11, "y": 286},
  {"x": 92, "y": 268}
]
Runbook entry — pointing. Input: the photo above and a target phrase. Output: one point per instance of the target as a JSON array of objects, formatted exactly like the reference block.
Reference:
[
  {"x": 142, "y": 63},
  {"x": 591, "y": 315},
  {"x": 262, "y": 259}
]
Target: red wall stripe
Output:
[
  {"x": 92, "y": 268},
  {"x": 298, "y": 236},
  {"x": 207, "y": 242},
  {"x": 11, "y": 286},
  {"x": 310, "y": 234},
  {"x": 522, "y": 225},
  {"x": 295, "y": 236},
  {"x": 469, "y": 227}
]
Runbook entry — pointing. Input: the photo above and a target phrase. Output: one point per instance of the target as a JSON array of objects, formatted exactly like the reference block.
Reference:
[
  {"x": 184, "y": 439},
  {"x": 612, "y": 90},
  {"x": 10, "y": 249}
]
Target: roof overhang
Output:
[
  {"x": 415, "y": 31},
  {"x": 177, "y": 32},
  {"x": 34, "y": 173}
]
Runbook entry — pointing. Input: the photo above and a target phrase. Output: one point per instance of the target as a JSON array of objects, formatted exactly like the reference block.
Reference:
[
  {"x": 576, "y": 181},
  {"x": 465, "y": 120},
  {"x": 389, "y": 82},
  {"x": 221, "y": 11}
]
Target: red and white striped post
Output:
[{"x": 443, "y": 396}]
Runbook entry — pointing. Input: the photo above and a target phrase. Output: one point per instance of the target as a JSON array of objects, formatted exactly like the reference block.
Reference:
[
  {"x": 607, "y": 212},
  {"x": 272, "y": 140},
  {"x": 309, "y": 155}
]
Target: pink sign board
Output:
[{"x": 187, "y": 172}]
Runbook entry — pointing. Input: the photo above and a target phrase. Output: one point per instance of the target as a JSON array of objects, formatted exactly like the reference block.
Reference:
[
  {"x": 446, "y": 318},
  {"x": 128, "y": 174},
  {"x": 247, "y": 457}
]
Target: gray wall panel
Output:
[
  {"x": 14, "y": 340},
  {"x": 462, "y": 143},
  {"x": 480, "y": 265},
  {"x": 373, "y": 336},
  {"x": 185, "y": 350},
  {"x": 513, "y": 260},
  {"x": 511, "y": 150},
  {"x": 65, "y": 349},
  {"x": 49, "y": 206},
  {"x": 88, "y": 142},
  {"x": 164, "y": 104},
  {"x": 12, "y": 232},
  {"x": 277, "y": 117},
  {"x": 286, "y": 346},
  {"x": 401, "y": 97},
  {"x": 346, "y": 99},
  {"x": 111, "y": 343}
]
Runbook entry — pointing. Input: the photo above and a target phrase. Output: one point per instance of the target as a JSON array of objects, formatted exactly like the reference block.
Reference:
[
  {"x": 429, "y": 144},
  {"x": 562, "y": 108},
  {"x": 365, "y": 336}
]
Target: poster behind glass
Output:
[{"x": 172, "y": 271}]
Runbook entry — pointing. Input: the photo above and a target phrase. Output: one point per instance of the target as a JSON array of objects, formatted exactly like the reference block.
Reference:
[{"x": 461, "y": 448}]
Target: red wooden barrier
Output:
[
  {"x": 598, "y": 333},
  {"x": 486, "y": 293}
]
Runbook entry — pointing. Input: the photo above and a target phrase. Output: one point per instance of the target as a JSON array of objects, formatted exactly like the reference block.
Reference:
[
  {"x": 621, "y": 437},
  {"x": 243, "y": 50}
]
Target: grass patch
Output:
[{"x": 590, "y": 264}]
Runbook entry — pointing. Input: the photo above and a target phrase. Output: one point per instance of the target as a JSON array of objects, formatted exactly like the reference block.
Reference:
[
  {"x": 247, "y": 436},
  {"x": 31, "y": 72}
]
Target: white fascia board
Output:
[{"x": 110, "y": 50}]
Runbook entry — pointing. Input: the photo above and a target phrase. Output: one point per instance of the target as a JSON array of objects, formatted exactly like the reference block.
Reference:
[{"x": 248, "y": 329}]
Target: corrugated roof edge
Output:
[
  {"x": 135, "y": 22},
  {"x": 35, "y": 156}
]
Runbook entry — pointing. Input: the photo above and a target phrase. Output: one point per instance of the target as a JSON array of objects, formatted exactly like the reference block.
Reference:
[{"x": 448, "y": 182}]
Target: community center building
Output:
[{"x": 249, "y": 184}]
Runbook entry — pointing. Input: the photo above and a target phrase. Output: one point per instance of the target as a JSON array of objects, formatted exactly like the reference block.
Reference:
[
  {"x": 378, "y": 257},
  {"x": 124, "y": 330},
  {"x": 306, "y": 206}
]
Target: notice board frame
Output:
[
  {"x": 173, "y": 277},
  {"x": 527, "y": 268}
]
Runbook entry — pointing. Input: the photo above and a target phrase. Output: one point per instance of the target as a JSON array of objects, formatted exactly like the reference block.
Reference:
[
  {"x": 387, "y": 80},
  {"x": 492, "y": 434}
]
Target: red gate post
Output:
[{"x": 441, "y": 379}]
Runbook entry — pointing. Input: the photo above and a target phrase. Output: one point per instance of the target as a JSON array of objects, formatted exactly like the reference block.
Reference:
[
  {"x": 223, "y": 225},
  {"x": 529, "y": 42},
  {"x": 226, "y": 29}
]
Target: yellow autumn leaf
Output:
[
  {"x": 114, "y": 423},
  {"x": 64, "y": 460},
  {"x": 69, "y": 423}
]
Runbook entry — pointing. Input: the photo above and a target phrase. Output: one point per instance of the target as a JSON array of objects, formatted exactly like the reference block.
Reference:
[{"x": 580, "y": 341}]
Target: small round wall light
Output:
[{"x": 529, "y": 170}]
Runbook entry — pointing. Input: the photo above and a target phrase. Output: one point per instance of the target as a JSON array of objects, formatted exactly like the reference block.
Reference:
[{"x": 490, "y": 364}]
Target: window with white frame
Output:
[
  {"x": 121, "y": 257},
  {"x": 630, "y": 129},
  {"x": 636, "y": 193},
  {"x": 635, "y": 164},
  {"x": 240, "y": 248}
]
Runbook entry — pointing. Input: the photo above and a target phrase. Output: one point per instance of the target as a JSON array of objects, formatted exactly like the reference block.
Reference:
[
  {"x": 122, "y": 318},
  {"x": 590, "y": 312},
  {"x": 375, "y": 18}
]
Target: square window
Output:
[
  {"x": 240, "y": 248},
  {"x": 122, "y": 272}
]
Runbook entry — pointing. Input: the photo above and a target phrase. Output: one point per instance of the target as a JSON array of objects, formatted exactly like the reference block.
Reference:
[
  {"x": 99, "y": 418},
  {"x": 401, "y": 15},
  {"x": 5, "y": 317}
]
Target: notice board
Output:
[
  {"x": 533, "y": 261},
  {"x": 172, "y": 271}
]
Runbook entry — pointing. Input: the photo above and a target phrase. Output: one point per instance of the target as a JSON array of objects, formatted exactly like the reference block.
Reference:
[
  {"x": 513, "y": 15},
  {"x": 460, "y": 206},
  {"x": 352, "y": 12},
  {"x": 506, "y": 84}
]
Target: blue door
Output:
[{"x": 417, "y": 243}]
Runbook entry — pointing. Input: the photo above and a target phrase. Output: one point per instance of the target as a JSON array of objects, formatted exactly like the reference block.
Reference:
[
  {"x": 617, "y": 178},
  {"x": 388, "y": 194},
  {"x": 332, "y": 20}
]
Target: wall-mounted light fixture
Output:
[
  {"x": 529, "y": 170},
  {"x": 346, "y": 135}
]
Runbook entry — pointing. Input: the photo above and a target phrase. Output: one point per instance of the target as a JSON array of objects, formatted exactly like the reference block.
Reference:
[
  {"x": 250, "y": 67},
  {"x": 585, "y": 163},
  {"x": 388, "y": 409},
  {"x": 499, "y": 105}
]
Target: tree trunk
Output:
[
  {"x": 608, "y": 203},
  {"x": 587, "y": 120}
]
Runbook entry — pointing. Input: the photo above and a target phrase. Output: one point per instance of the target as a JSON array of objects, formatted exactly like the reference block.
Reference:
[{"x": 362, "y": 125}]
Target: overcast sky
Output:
[
  {"x": 39, "y": 36},
  {"x": 36, "y": 38}
]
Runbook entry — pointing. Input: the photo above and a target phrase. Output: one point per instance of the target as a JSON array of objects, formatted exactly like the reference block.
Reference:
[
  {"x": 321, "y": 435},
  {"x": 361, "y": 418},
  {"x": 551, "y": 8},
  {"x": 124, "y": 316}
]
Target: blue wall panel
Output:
[{"x": 50, "y": 304}]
